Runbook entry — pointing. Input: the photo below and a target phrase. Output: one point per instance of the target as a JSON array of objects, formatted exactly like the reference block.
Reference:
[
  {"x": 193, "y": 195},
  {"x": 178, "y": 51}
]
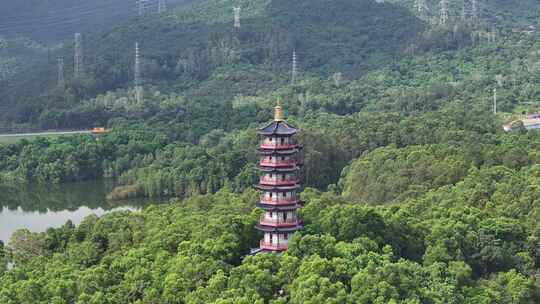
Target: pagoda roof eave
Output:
[
  {"x": 278, "y": 127},
  {"x": 264, "y": 151},
  {"x": 292, "y": 206},
  {"x": 282, "y": 188},
  {"x": 274, "y": 169},
  {"x": 274, "y": 190},
  {"x": 292, "y": 228}
]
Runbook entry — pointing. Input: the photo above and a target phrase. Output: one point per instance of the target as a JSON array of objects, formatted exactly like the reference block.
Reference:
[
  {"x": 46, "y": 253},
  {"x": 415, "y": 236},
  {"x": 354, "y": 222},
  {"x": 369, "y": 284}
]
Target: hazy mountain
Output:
[{"x": 54, "y": 20}]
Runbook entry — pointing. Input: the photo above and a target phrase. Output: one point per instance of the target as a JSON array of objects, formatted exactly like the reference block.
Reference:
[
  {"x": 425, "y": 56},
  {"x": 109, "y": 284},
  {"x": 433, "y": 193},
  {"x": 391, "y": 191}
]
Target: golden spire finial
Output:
[{"x": 278, "y": 112}]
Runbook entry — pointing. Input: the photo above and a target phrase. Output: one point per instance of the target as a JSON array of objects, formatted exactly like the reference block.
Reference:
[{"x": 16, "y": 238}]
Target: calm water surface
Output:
[{"x": 37, "y": 208}]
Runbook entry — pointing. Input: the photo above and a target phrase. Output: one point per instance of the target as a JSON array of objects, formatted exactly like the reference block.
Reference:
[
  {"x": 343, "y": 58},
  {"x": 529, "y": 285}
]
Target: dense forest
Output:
[{"x": 413, "y": 192}]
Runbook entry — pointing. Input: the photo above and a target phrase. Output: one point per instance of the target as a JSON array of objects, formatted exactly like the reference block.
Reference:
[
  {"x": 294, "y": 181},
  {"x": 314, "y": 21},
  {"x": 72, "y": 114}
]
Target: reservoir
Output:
[{"x": 37, "y": 208}]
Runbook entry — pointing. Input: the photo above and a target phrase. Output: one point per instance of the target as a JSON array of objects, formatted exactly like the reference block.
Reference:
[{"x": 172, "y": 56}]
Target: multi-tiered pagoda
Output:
[{"x": 280, "y": 162}]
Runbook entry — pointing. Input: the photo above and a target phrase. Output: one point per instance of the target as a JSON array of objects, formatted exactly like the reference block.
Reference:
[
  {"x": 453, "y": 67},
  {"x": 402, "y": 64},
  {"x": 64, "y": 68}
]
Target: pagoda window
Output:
[
  {"x": 282, "y": 140},
  {"x": 286, "y": 236},
  {"x": 271, "y": 214}
]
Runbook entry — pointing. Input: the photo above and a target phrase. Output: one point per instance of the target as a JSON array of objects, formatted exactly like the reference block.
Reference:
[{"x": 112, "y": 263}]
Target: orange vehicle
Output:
[{"x": 98, "y": 131}]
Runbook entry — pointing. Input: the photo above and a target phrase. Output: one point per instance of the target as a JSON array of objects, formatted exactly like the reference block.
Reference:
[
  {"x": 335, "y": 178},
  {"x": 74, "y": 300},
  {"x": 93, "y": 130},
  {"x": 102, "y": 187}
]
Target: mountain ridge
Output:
[{"x": 177, "y": 51}]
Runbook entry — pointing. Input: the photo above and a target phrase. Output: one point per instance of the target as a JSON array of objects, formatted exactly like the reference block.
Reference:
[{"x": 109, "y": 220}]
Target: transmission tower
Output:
[
  {"x": 421, "y": 8},
  {"x": 162, "y": 6},
  {"x": 444, "y": 12},
  {"x": 237, "y": 11},
  {"x": 474, "y": 37},
  {"x": 494, "y": 100},
  {"x": 294, "y": 72},
  {"x": 78, "y": 68},
  {"x": 141, "y": 7},
  {"x": 474, "y": 10},
  {"x": 61, "y": 80},
  {"x": 138, "y": 86}
]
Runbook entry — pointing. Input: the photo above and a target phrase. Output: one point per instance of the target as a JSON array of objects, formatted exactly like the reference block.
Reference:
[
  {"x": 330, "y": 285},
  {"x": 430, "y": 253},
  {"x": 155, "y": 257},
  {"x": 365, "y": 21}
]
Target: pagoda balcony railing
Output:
[
  {"x": 273, "y": 246},
  {"x": 266, "y": 145},
  {"x": 277, "y": 182},
  {"x": 276, "y": 222},
  {"x": 276, "y": 201},
  {"x": 278, "y": 163}
]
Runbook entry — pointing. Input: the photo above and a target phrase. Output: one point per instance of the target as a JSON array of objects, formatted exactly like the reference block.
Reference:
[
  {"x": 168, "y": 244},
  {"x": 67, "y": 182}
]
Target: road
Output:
[{"x": 52, "y": 133}]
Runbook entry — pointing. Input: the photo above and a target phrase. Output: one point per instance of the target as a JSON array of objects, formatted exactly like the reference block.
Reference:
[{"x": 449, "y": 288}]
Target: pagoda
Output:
[{"x": 280, "y": 161}]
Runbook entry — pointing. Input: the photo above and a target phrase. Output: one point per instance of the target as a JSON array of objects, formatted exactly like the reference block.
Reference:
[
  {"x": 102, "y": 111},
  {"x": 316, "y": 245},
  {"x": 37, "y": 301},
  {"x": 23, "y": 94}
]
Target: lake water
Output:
[{"x": 37, "y": 208}]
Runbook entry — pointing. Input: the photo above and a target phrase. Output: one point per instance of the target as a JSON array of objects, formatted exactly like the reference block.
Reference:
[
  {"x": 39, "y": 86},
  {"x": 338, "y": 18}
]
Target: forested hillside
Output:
[
  {"x": 17, "y": 53},
  {"x": 55, "y": 20},
  {"x": 470, "y": 241},
  {"x": 500, "y": 12},
  {"x": 413, "y": 191},
  {"x": 197, "y": 54},
  {"x": 189, "y": 55}
]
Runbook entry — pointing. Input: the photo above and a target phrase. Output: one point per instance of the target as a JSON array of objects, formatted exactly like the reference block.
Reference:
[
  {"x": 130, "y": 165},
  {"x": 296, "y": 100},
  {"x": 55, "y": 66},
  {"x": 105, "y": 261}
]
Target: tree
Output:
[{"x": 26, "y": 245}]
